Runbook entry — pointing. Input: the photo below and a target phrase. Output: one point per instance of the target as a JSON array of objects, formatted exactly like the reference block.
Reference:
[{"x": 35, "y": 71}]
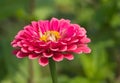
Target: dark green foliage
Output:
[{"x": 101, "y": 18}]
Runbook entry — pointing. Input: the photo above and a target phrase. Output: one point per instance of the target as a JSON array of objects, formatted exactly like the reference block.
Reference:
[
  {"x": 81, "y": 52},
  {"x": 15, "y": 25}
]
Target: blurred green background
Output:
[{"x": 101, "y": 18}]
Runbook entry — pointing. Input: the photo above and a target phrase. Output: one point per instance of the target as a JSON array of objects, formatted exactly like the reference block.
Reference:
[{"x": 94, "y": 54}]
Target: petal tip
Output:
[{"x": 43, "y": 61}]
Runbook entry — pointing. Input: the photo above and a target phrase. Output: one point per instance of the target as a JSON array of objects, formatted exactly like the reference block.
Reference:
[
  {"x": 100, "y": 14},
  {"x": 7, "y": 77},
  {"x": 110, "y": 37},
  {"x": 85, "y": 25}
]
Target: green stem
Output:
[{"x": 52, "y": 66}]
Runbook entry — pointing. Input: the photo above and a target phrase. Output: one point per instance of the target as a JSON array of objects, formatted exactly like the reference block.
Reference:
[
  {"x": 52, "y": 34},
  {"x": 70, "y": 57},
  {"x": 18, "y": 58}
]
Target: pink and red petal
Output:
[
  {"x": 58, "y": 57},
  {"x": 86, "y": 49},
  {"x": 45, "y": 54},
  {"x": 63, "y": 48},
  {"x": 85, "y": 40},
  {"x": 35, "y": 26},
  {"x": 54, "y": 24},
  {"x": 72, "y": 47},
  {"x": 31, "y": 48},
  {"x": 78, "y": 50},
  {"x": 21, "y": 54},
  {"x": 43, "y": 61},
  {"x": 69, "y": 56},
  {"x": 25, "y": 50},
  {"x": 16, "y": 51},
  {"x": 33, "y": 56},
  {"x": 54, "y": 46}
]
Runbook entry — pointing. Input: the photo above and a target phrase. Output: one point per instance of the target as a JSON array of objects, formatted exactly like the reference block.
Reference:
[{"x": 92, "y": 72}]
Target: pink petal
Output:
[
  {"x": 25, "y": 45},
  {"x": 19, "y": 33},
  {"x": 43, "y": 44},
  {"x": 63, "y": 24},
  {"x": 63, "y": 48},
  {"x": 30, "y": 48},
  {"x": 63, "y": 43},
  {"x": 47, "y": 54},
  {"x": 25, "y": 50},
  {"x": 58, "y": 57},
  {"x": 67, "y": 39},
  {"x": 86, "y": 49},
  {"x": 43, "y": 61},
  {"x": 74, "y": 41},
  {"x": 21, "y": 54},
  {"x": 54, "y": 49},
  {"x": 54, "y": 46},
  {"x": 14, "y": 45},
  {"x": 78, "y": 50},
  {"x": 41, "y": 27},
  {"x": 70, "y": 31},
  {"x": 19, "y": 44},
  {"x": 13, "y": 42},
  {"x": 28, "y": 29},
  {"x": 32, "y": 56},
  {"x": 38, "y": 51},
  {"x": 85, "y": 40},
  {"x": 46, "y": 25},
  {"x": 15, "y": 51},
  {"x": 72, "y": 47},
  {"x": 54, "y": 24},
  {"x": 35, "y": 25},
  {"x": 69, "y": 56},
  {"x": 82, "y": 31}
]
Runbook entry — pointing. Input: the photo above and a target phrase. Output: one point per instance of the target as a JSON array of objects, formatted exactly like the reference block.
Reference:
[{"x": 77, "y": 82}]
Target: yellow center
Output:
[{"x": 50, "y": 35}]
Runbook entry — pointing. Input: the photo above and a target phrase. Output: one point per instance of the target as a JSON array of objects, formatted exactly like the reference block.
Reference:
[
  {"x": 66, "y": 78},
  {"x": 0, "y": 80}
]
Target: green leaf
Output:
[
  {"x": 79, "y": 80},
  {"x": 115, "y": 21}
]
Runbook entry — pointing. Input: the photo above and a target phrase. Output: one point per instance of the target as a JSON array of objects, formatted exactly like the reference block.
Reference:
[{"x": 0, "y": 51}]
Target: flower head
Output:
[{"x": 56, "y": 39}]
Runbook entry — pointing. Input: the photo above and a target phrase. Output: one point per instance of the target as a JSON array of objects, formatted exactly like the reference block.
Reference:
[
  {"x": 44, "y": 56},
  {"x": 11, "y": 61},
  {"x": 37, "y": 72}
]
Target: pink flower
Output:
[{"x": 56, "y": 39}]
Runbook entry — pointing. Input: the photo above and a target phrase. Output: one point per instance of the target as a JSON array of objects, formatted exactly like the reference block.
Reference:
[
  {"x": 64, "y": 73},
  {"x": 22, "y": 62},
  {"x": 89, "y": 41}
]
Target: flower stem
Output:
[{"x": 52, "y": 66}]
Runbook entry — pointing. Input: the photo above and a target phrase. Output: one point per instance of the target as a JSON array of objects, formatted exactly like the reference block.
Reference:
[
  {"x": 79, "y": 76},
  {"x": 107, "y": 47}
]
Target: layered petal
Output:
[
  {"x": 56, "y": 39},
  {"x": 33, "y": 56},
  {"x": 54, "y": 24},
  {"x": 20, "y": 54},
  {"x": 58, "y": 57},
  {"x": 45, "y": 54},
  {"x": 69, "y": 56},
  {"x": 43, "y": 61}
]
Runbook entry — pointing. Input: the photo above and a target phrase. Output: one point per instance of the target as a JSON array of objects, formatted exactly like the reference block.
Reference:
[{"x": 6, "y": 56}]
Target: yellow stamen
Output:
[
  {"x": 43, "y": 38},
  {"x": 50, "y": 35}
]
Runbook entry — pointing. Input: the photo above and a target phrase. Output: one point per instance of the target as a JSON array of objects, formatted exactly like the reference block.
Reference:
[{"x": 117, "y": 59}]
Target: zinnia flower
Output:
[{"x": 56, "y": 39}]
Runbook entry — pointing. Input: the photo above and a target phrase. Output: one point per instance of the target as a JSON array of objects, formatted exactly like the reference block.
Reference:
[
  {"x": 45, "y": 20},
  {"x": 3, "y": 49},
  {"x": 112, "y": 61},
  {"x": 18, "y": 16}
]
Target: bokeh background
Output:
[{"x": 101, "y": 19}]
